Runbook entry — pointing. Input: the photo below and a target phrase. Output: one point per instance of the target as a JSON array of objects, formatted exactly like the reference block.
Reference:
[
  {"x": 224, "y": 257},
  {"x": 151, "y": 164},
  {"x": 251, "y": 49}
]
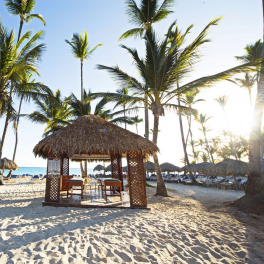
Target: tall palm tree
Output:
[
  {"x": 136, "y": 120},
  {"x": 248, "y": 82},
  {"x": 80, "y": 50},
  {"x": 165, "y": 65},
  {"x": 55, "y": 114},
  {"x": 190, "y": 101},
  {"x": 143, "y": 16},
  {"x": 16, "y": 59},
  {"x": 123, "y": 91},
  {"x": 222, "y": 100},
  {"x": 23, "y": 9},
  {"x": 255, "y": 185},
  {"x": 202, "y": 119}
]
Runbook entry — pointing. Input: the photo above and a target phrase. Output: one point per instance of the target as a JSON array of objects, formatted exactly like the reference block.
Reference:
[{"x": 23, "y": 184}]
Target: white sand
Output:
[{"x": 190, "y": 226}]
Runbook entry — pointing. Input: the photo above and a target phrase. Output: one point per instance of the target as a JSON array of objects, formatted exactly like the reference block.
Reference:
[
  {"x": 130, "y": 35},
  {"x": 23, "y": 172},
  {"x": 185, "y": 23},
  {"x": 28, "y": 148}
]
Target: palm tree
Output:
[
  {"x": 123, "y": 91},
  {"x": 23, "y": 9},
  {"x": 222, "y": 100},
  {"x": 190, "y": 101},
  {"x": 15, "y": 61},
  {"x": 136, "y": 120},
  {"x": 55, "y": 114},
  {"x": 255, "y": 183},
  {"x": 145, "y": 15},
  {"x": 248, "y": 82},
  {"x": 80, "y": 50},
  {"x": 202, "y": 119}
]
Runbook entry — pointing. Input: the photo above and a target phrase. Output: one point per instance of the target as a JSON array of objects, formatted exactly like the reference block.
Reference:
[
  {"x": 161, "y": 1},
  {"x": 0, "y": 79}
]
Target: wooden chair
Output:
[{"x": 87, "y": 182}]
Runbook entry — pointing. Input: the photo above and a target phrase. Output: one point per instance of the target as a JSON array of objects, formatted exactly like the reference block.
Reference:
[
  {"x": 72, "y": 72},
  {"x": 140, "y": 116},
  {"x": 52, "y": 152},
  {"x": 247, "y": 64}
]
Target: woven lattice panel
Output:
[
  {"x": 137, "y": 183},
  {"x": 52, "y": 193},
  {"x": 114, "y": 166},
  {"x": 65, "y": 166}
]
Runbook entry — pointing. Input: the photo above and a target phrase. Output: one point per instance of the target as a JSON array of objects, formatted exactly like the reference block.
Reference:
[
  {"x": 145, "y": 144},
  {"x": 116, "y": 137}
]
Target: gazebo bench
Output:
[{"x": 75, "y": 182}]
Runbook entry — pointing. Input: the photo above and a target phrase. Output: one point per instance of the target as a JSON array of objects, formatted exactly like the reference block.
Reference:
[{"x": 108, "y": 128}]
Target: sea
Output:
[{"x": 43, "y": 171}]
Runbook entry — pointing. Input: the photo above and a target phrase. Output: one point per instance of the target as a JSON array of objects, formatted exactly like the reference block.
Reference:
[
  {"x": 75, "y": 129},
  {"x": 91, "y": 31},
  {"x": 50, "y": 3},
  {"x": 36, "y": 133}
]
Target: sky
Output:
[{"x": 105, "y": 21}]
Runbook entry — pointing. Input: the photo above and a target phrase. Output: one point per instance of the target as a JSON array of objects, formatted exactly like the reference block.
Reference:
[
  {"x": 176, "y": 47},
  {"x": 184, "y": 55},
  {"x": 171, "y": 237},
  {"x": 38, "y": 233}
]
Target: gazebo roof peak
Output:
[{"x": 91, "y": 134}]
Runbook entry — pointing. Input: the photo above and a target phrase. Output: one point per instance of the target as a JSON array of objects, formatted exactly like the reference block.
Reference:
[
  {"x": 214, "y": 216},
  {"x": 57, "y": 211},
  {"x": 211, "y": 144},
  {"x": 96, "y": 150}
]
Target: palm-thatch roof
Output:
[
  {"x": 150, "y": 166},
  {"x": 202, "y": 167},
  {"x": 90, "y": 135},
  {"x": 108, "y": 168},
  {"x": 230, "y": 166},
  {"x": 99, "y": 167},
  {"x": 7, "y": 164},
  {"x": 169, "y": 167}
]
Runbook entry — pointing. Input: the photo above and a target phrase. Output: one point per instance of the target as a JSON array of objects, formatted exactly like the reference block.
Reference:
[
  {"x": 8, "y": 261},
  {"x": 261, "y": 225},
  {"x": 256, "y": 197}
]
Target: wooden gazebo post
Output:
[
  {"x": 116, "y": 168},
  {"x": 137, "y": 181}
]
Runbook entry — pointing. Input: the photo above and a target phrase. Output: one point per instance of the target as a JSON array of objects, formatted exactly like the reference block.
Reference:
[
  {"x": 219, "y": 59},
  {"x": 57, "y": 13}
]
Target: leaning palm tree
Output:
[
  {"x": 136, "y": 120},
  {"x": 80, "y": 50},
  {"x": 255, "y": 183},
  {"x": 23, "y": 9},
  {"x": 202, "y": 119},
  {"x": 222, "y": 100},
  {"x": 17, "y": 59},
  {"x": 143, "y": 16},
  {"x": 164, "y": 67},
  {"x": 248, "y": 82}
]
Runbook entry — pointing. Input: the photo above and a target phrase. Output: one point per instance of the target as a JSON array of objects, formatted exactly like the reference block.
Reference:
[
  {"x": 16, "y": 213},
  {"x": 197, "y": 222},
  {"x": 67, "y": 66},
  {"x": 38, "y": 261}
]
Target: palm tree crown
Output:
[{"x": 145, "y": 15}]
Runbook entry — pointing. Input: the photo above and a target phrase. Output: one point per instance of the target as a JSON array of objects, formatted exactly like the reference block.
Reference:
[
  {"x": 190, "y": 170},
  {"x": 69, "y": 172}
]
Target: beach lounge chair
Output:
[
  {"x": 44, "y": 178},
  {"x": 13, "y": 178},
  {"x": 35, "y": 178}
]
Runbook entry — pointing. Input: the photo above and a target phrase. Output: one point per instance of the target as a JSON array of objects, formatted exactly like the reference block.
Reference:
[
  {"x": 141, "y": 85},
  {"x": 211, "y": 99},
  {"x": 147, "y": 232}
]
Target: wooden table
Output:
[
  {"x": 75, "y": 182},
  {"x": 111, "y": 182}
]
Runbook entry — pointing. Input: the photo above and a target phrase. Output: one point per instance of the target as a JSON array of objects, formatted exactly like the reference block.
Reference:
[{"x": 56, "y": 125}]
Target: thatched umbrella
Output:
[
  {"x": 125, "y": 169},
  {"x": 7, "y": 164},
  {"x": 202, "y": 167},
  {"x": 233, "y": 167},
  {"x": 168, "y": 167},
  {"x": 108, "y": 168},
  {"x": 150, "y": 166},
  {"x": 99, "y": 167}
]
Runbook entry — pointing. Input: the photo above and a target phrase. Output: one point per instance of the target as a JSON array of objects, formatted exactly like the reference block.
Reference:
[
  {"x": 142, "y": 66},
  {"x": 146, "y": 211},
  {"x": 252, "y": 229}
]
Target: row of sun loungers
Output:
[{"x": 33, "y": 178}]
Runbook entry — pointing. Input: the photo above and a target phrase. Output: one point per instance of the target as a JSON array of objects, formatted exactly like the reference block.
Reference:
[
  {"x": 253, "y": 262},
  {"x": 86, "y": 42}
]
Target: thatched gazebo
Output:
[
  {"x": 7, "y": 164},
  {"x": 150, "y": 166},
  {"x": 230, "y": 166},
  {"x": 168, "y": 167},
  {"x": 92, "y": 138},
  {"x": 202, "y": 167}
]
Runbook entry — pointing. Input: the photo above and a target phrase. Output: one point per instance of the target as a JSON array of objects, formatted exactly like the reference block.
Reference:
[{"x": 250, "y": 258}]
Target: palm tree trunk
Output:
[
  {"x": 137, "y": 128},
  {"x": 82, "y": 81},
  {"x": 208, "y": 147},
  {"x": 190, "y": 128},
  {"x": 255, "y": 184},
  {"x": 161, "y": 188},
  {"x": 184, "y": 146},
  {"x": 231, "y": 138},
  {"x": 124, "y": 114},
  {"x": 19, "y": 110},
  {"x": 81, "y": 167},
  {"x": 20, "y": 28},
  {"x": 146, "y": 120},
  {"x": 249, "y": 91},
  {"x": 85, "y": 168},
  {"x": 4, "y": 135}
]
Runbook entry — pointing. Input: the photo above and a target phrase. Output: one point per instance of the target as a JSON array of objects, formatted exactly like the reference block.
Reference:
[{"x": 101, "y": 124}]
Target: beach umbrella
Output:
[
  {"x": 230, "y": 166},
  {"x": 203, "y": 167},
  {"x": 150, "y": 166},
  {"x": 168, "y": 167},
  {"x": 7, "y": 164},
  {"x": 99, "y": 167},
  {"x": 108, "y": 168}
]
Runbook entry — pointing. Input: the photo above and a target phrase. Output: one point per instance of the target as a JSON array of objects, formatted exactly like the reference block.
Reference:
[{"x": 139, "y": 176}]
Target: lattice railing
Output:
[
  {"x": 136, "y": 178},
  {"x": 116, "y": 168},
  {"x": 52, "y": 193},
  {"x": 65, "y": 166}
]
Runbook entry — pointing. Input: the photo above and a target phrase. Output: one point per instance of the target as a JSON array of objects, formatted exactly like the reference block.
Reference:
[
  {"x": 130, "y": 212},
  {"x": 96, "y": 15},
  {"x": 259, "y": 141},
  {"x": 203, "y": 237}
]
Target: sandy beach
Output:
[{"x": 193, "y": 225}]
